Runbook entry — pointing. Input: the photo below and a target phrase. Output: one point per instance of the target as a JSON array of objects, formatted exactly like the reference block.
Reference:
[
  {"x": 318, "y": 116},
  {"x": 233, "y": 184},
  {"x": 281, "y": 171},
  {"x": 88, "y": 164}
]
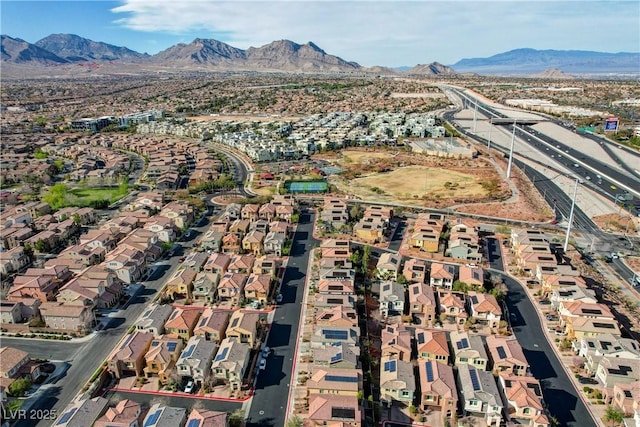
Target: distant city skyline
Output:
[{"x": 387, "y": 33}]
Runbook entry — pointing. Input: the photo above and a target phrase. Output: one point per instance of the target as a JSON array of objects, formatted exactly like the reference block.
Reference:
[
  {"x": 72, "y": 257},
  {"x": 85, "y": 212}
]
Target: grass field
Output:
[
  {"x": 84, "y": 196},
  {"x": 362, "y": 156},
  {"x": 416, "y": 181}
]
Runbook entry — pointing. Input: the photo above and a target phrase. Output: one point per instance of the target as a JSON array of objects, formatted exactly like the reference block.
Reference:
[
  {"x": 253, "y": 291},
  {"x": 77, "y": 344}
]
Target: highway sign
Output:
[{"x": 611, "y": 124}]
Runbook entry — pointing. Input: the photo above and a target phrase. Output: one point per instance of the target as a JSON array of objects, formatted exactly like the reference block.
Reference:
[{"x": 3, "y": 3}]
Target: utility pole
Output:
[
  {"x": 573, "y": 205},
  {"x": 490, "y": 127},
  {"x": 513, "y": 139}
]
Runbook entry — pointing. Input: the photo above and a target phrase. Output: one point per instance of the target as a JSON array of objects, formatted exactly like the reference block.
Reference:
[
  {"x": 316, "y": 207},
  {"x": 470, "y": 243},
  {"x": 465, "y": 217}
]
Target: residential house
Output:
[
  {"x": 396, "y": 342},
  {"x": 415, "y": 270},
  {"x": 182, "y": 322},
  {"x": 423, "y": 306},
  {"x": 322, "y": 301},
  {"x": 579, "y": 327},
  {"x": 153, "y": 319},
  {"x": 337, "y": 316},
  {"x": 164, "y": 228},
  {"x": 160, "y": 415},
  {"x": 432, "y": 345},
  {"x": 241, "y": 263},
  {"x": 250, "y": 212},
  {"x": 13, "y": 260},
  {"x": 126, "y": 413},
  {"x": 180, "y": 212},
  {"x": 161, "y": 357},
  {"x": 240, "y": 227},
  {"x": 438, "y": 389},
  {"x": 205, "y": 287},
  {"x": 83, "y": 412},
  {"x": 267, "y": 212},
  {"x": 572, "y": 293},
  {"x": 570, "y": 310},
  {"x": 468, "y": 349},
  {"x": 128, "y": 264},
  {"x": 258, "y": 288},
  {"x": 212, "y": 325},
  {"x": 397, "y": 382},
  {"x": 253, "y": 241},
  {"x": 326, "y": 380},
  {"x": 479, "y": 395},
  {"x": 523, "y": 399},
  {"x": 274, "y": 242},
  {"x": 485, "y": 309},
  {"x": 624, "y": 395},
  {"x": 194, "y": 362},
  {"x": 334, "y": 248},
  {"x": 266, "y": 264},
  {"x": 77, "y": 319},
  {"x": 194, "y": 261},
  {"x": 442, "y": 275},
  {"x": 231, "y": 286},
  {"x": 327, "y": 335},
  {"x": 180, "y": 284},
  {"x": 331, "y": 410},
  {"x": 388, "y": 266},
  {"x": 605, "y": 345},
  {"x": 341, "y": 356},
  {"x": 369, "y": 230},
  {"x": 426, "y": 239},
  {"x": 231, "y": 243},
  {"x": 473, "y": 277},
  {"x": 245, "y": 327},
  {"x": 506, "y": 355},
  {"x": 11, "y": 311},
  {"x": 12, "y": 362},
  {"x": 556, "y": 282},
  {"x": 128, "y": 359},
  {"x": 452, "y": 307},
  {"x": 615, "y": 370},
  {"x": 207, "y": 418},
  {"x": 392, "y": 295},
  {"x": 217, "y": 263},
  {"x": 232, "y": 212},
  {"x": 230, "y": 362}
]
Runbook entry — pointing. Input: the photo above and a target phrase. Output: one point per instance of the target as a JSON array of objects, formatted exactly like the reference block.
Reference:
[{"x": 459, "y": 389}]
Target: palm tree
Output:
[
  {"x": 614, "y": 415},
  {"x": 294, "y": 421}
]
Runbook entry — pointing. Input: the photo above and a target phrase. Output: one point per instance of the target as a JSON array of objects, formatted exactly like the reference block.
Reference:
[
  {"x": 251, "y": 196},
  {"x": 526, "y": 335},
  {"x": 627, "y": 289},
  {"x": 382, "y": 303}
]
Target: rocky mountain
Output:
[
  {"x": 74, "y": 48},
  {"x": 553, "y": 73},
  {"x": 290, "y": 56},
  {"x": 433, "y": 69},
  {"x": 18, "y": 51},
  {"x": 532, "y": 61},
  {"x": 201, "y": 52}
]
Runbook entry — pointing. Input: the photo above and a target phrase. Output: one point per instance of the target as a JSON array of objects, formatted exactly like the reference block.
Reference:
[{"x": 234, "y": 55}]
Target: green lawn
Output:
[{"x": 87, "y": 195}]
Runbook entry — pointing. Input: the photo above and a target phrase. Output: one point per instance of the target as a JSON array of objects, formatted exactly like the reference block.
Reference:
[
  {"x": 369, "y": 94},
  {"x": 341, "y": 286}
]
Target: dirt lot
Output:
[
  {"x": 471, "y": 185},
  {"x": 616, "y": 223}
]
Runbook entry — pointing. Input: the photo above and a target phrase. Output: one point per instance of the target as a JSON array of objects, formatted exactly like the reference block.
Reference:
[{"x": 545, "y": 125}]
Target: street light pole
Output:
[
  {"x": 513, "y": 139},
  {"x": 573, "y": 205},
  {"x": 475, "y": 115},
  {"x": 490, "y": 127}
]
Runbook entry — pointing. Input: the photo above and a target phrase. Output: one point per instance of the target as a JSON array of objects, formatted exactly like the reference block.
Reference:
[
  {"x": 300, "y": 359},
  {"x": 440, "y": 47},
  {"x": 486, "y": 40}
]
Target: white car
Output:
[
  {"x": 263, "y": 364},
  {"x": 265, "y": 352},
  {"x": 472, "y": 265},
  {"x": 279, "y": 298},
  {"x": 189, "y": 387}
]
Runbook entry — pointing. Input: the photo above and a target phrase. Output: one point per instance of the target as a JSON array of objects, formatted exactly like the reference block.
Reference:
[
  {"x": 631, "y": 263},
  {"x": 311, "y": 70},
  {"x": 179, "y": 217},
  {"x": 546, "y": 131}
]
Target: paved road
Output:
[
  {"x": 86, "y": 356},
  {"x": 557, "y": 389},
  {"x": 269, "y": 404}
]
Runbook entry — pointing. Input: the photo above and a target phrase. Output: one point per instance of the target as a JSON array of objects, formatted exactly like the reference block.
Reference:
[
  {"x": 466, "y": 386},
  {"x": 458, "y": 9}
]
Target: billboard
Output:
[{"x": 611, "y": 124}]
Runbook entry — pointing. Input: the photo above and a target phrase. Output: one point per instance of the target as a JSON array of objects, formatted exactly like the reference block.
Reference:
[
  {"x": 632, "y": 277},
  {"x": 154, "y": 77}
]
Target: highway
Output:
[
  {"x": 558, "y": 390},
  {"x": 269, "y": 404}
]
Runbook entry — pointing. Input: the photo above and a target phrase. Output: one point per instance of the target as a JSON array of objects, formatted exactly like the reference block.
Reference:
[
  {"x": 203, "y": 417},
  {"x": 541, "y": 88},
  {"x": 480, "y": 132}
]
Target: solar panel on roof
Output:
[
  {"x": 332, "y": 334},
  {"x": 341, "y": 378},
  {"x": 67, "y": 416},
  {"x": 603, "y": 325},
  {"x": 336, "y": 358},
  {"x": 188, "y": 351},
  {"x": 416, "y": 290},
  {"x": 171, "y": 346},
  {"x": 344, "y": 413},
  {"x": 390, "y": 366},
  {"x": 203, "y": 321},
  {"x": 194, "y": 423},
  {"x": 222, "y": 354},
  {"x": 126, "y": 341},
  {"x": 429, "y": 367},
  {"x": 475, "y": 382},
  {"x": 501, "y": 352},
  {"x": 474, "y": 299},
  {"x": 421, "y": 338},
  {"x": 155, "y": 343},
  {"x": 153, "y": 418},
  {"x": 463, "y": 343}
]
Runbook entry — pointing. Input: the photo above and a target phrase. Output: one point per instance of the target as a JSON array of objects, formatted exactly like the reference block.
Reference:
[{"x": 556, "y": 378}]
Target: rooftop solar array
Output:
[
  {"x": 171, "y": 346},
  {"x": 332, "y": 334},
  {"x": 222, "y": 354},
  {"x": 390, "y": 366},
  {"x": 343, "y": 413},
  {"x": 153, "y": 418},
  {"x": 463, "y": 343},
  {"x": 429, "y": 367},
  {"x": 194, "y": 423},
  {"x": 341, "y": 379},
  {"x": 501, "y": 352},
  {"x": 188, "y": 351},
  {"x": 475, "y": 381},
  {"x": 67, "y": 416}
]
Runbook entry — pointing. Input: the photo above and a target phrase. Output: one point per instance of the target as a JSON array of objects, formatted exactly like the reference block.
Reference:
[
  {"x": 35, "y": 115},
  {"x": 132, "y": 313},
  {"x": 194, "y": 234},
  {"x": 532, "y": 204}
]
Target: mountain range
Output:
[{"x": 64, "y": 50}]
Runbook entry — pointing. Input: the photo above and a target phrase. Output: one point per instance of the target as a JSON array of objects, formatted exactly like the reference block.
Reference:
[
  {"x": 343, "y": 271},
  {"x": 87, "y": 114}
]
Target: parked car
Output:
[
  {"x": 545, "y": 302},
  {"x": 189, "y": 387},
  {"x": 586, "y": 380},
  {"x": 263, "y": 364},
  {"x": 265, "y": 352},
  {"x": 279, "y": 298},
  {"x": 472, "y": 265}
]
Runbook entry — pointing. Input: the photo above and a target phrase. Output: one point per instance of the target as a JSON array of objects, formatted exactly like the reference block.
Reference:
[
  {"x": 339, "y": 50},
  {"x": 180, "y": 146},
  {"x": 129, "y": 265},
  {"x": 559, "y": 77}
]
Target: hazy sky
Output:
[{"x": 389, "y": 33}]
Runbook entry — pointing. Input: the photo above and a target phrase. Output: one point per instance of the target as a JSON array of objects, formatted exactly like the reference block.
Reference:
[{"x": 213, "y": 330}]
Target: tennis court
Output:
[{"x": 306, "y": 186}]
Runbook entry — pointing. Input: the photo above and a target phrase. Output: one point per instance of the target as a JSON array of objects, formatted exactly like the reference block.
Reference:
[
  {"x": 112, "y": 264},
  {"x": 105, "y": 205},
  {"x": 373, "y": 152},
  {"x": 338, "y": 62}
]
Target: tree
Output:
[
  {"x": 19, "y": 387},
  {"x": 41, "y": 246},
  {"x": 355, "y": 213},
  {"x": 76, "y": 219},
  {"x": 236, "y": 419},
  {"x": 613, "y": 415},
  {"x": 294, "y": 421}
]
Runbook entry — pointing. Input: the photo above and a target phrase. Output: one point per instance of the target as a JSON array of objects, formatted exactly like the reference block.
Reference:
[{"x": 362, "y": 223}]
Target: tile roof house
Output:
[
  {"x": 614, "y": 370},
  {"x": 479, "y": 395},
  {"x": 212, "y": 324},
  {"x": 253, "y": 242},
  {"x": 241, "y": 263},
  {"x": 326, "y": 335},
  {"x": 324, "y": 380},
  {"x": 217, "y": 263},
  {"x": 337, "y": 316},
  {"x": 195, "y": 360},
  {"x": 426, "y": 239},
  {"x": 205, "y": 287},
  {"x": 258, "y": 288},
  {"x": 423, "y": 305},
  {"x": 468, "y": 349},
  {"x": 161, "y": 357},
  {"x": 442, "y": 275},
  {"x": 396, "y": 342},
  {"x": 330, "y": 410},
  {"x": 392, "y": 296},
  {"x": 396, "y": 380},
  {"x": 334, "y": 248},
  {"x": 415, "y": 270},
  {"x": 452, "y": 306},
  {"x": 207, "y": 418},
  {"x": 160, "y": 415},
  {"x": 274, "y": 243},
  {"x": 624, "y": 395},
  {"x": 83, "y": 412},
  {"x": 65, "y": 317},
  {"x": 154, "y": 318},
  {"x": 506, "y": 355},
  {"x": 182, "y": 322},
  {"x": 605, "y": 345},
  {"x": 126, "y": 413},
  {"x": 572, "y": 293},
  {"x": 341, "y": 356},
  {"x": 245, "y": 327},
  {"x": 484, "y": 308},
  {"x": 523, "y": 399},
  {"x": 579, "y": 327},
  {"x": 388, "y": 266},
  {"x": 230, "y": 362},
  {"x": 322, "y": 301},
  {"x": 472, "y": 276},
  {"x": 432, "y": 345},
  {"x": 231, "y": 286},
  {"x": 128, "y": 359},
  {"x": 438, "y": 388},
  {"x": 12, "y": 360},
  {"x": 180, "y": 283}
]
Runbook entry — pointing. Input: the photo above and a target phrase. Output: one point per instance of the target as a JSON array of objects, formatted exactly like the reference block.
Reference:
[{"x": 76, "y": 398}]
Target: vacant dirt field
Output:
[{"x": 616, "y": 223}]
